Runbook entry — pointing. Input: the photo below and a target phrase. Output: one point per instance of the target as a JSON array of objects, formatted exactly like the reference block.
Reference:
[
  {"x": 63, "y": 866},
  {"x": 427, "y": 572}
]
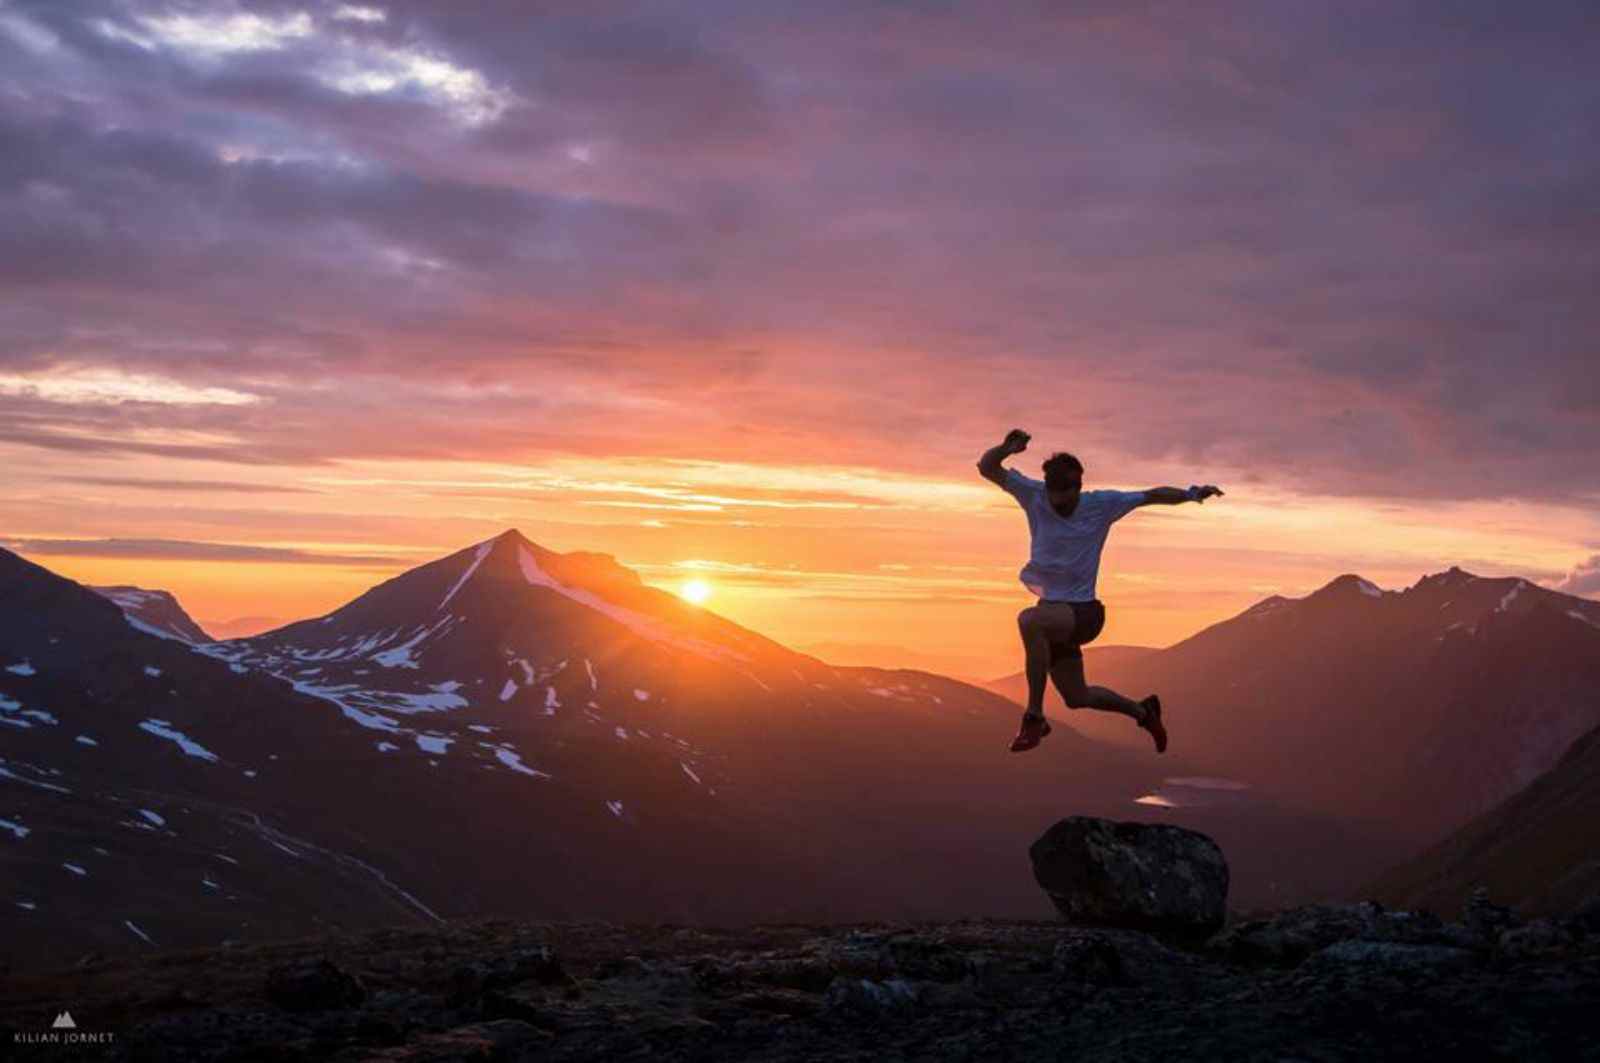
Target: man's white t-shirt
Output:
[{"x": 1066, "y": 550}]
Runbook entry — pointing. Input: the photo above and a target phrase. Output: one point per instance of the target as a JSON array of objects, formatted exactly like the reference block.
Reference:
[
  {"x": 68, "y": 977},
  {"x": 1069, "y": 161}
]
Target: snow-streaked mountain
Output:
[
  {"x": 156, "y": 612},
  {"x": 141, "y": 785},
  {"x": 509, "y": 730},
  {"x": 1420, "y": 707},
  {"x": 579, "y": 669}
]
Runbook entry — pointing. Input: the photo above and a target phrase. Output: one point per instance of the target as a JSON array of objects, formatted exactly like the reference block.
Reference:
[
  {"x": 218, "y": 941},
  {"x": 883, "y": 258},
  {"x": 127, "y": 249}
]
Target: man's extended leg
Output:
[
  {"x": 1067, "y": 673},
  {"x": 1039, "y": 625}
]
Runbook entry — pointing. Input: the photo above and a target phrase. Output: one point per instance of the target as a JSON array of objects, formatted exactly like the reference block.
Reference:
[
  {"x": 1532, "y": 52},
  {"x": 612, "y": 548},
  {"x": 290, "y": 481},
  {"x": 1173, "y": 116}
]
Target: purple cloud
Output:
[{"x": 1350, "y": 248}]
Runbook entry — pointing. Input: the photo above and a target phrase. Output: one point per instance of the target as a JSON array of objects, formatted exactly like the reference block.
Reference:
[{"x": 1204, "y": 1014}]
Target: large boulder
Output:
[{"x": 1136, "y": 875}]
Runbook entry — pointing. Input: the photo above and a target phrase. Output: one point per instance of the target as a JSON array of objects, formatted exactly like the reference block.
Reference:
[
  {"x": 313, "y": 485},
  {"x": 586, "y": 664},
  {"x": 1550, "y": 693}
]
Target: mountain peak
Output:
[
  {"x": 508, "y": 555},
  {"x": 1348, "y": 583},
  {"x": 511, "y": 538},
  {"x": 1453, "y": 575},
  {"x": 155, "y": 612}
]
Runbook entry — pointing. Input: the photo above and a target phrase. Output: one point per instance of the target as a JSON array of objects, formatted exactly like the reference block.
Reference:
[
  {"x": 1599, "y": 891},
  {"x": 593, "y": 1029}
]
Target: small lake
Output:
[{"x": 1196, "y": 791}]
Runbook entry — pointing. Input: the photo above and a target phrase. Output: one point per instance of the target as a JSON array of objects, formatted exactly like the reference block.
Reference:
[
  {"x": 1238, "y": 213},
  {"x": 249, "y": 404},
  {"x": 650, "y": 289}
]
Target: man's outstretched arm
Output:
[
  {"x": 1015, "y": 442},
  {"x": 1171, "y": 496}
]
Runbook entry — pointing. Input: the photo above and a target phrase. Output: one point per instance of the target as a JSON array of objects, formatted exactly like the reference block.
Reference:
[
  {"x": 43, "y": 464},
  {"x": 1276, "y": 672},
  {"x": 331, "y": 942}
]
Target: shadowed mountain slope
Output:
[
  {"x": 1421, "y": 708},
  {"x": 1539, "y": 849}
]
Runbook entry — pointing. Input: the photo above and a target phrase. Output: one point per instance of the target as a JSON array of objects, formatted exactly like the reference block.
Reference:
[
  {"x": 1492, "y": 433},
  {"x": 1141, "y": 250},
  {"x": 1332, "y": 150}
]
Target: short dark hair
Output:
[{"x": 1061, "y": 466}]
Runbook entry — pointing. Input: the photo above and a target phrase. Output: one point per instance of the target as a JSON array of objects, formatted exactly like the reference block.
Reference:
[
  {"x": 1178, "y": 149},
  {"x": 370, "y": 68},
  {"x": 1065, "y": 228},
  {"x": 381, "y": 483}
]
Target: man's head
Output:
[{"x": 1063, "y": 479}]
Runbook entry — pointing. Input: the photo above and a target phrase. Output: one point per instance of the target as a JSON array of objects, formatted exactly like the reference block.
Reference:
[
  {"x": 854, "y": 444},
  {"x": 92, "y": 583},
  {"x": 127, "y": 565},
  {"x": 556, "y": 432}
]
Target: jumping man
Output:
[{"x": 1069, "y": 526}]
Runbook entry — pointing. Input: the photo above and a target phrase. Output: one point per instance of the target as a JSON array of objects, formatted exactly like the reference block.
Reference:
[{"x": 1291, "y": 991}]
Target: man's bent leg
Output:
[
  {"x": 1039, "y": 624},
  {"x": 1067, "y": 672}
]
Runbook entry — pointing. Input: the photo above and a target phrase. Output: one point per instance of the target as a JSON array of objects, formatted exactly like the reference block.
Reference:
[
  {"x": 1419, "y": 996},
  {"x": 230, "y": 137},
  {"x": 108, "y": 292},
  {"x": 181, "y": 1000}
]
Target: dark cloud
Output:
[
  {"x": 1350, "y": 247},
  {"x": 177, "y": 550},
  {"x": 204, "y": 486}
]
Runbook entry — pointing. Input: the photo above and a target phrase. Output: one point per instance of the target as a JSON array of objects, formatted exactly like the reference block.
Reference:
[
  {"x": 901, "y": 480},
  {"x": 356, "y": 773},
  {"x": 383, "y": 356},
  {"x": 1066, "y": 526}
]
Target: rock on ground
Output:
[{"x": 1136, "y": 875}]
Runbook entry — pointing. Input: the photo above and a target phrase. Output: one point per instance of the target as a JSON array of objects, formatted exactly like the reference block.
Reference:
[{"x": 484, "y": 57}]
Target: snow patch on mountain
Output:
[
  {"x": 24, "y": 668},
  {"x": 511, "y": 759},
  {"x": 1371, "y": 590},
  {"x": 1510, "y": 596},
  {"x": 163, "y": 729},
  {"x": 1579, "y": 616},
  {"x": 477, "y": 559},
  {"x": 8, "y": 705},
  {"x": 414, "y": 703},
  {"x": 150, "y": 629},
  {"x": 130, "y": 598},
  {"x": 15, "y": 828},
  {"x": 400, "y": 656},
  {"x": 337, "y": 694},
  {"x": 9, "y": 774},
  {"x": 508, "y": 690},
  {"x": 434, "y": 743}
]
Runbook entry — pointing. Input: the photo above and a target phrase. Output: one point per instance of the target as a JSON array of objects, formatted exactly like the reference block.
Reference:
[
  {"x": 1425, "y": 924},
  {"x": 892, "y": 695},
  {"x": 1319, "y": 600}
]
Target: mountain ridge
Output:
[{"x": 617, "y": 749}]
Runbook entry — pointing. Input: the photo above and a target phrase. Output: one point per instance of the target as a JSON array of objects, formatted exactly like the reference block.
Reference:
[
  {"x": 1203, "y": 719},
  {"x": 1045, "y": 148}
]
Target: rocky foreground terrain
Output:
[{"x": 1322, "y": 983}]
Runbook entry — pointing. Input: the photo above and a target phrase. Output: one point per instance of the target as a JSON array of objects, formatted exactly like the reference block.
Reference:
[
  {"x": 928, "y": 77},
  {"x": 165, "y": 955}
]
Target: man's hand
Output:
[
  {"x": 1200, "y": 492},
  {"x": 1015, "y": 442}
]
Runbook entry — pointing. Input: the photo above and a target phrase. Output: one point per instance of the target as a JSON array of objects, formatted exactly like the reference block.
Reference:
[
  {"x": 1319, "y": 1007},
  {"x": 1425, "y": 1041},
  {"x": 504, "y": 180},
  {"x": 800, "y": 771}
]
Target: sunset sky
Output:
[{"x": 294, "y": 296}]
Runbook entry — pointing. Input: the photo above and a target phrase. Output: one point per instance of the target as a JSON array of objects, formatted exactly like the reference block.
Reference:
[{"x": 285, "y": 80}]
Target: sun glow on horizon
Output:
[{"x": 695, "y": 590}]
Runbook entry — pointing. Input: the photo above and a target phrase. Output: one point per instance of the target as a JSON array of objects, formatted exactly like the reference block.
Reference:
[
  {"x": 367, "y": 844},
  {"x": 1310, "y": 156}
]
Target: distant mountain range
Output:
[
  {"x": 969, "y": 669},
  {"x": 242, "y": 627},
  {"x": 510, "y": 730},
  {"x": 1421, "y": 708}
]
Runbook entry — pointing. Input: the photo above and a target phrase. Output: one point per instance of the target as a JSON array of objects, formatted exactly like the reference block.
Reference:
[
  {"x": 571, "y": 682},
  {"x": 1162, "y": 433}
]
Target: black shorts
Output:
[{"x": 1091, "y": 619}]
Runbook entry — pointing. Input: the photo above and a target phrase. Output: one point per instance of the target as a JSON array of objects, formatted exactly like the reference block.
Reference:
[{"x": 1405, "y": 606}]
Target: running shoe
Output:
[
  {"x": 1152, "y": 722},
  {"x": 1034, "y": 728}
]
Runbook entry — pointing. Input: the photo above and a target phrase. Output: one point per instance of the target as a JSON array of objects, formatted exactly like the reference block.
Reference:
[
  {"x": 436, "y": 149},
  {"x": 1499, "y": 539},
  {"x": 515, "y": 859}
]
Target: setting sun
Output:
[{"x": 695, "y": 590}]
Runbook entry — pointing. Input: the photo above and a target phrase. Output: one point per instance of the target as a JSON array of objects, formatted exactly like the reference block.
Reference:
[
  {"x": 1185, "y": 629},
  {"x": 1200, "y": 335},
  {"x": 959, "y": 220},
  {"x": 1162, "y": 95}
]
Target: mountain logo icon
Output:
[{"x": 64, "y": 1021}]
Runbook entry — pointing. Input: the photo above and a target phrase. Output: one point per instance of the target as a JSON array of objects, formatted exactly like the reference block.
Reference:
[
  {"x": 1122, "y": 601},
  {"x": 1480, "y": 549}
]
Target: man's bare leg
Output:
[
  {"x": 1039, "y": 624},
  {"x": 1067, "y": 672}
]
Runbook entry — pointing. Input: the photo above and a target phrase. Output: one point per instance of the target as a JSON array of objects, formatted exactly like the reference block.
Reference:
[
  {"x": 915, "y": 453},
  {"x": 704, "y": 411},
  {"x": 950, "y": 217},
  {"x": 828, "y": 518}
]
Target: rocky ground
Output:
[{"x": 1312, "y": 984}]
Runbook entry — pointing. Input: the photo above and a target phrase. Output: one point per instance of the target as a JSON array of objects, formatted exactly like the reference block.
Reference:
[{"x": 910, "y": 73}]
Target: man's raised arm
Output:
[
  {"x": 1015, "y": 442},
  {"x": 1171, "y": 496}
]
